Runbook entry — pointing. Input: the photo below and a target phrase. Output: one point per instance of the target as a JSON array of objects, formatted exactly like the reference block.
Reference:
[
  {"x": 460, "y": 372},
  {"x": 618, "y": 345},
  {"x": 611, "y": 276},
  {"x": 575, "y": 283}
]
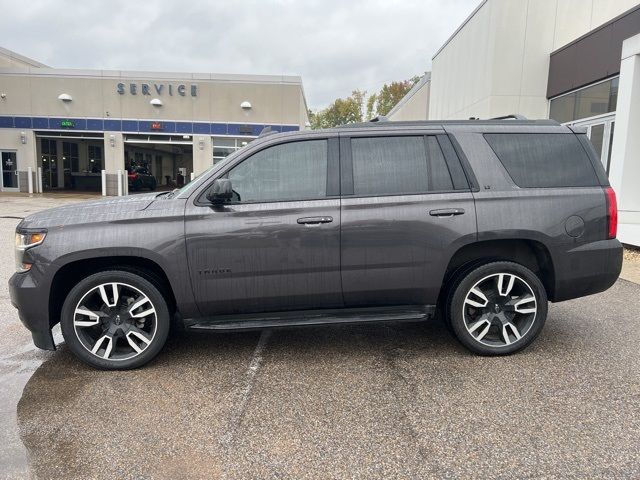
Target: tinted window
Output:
[
  {"x": 398, "y": 165},
  {"x": 291, "y": 171},
  {"x": 437, "y": 171},
  {"x": 543, "y": 160}
]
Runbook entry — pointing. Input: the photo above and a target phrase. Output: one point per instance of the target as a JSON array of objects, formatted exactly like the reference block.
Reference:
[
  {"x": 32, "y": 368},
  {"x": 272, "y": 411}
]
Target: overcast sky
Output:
[{"x": 336, "y": 46}]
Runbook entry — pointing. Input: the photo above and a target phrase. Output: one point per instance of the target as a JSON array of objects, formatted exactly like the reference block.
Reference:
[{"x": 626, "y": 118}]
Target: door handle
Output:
[
  {"x": 314, "y": 220},
  {"x": 446, "y": 212}
]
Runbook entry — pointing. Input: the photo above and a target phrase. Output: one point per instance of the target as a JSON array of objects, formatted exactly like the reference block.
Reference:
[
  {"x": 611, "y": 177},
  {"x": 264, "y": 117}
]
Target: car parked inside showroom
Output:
[{"x": 139, "y": 178}]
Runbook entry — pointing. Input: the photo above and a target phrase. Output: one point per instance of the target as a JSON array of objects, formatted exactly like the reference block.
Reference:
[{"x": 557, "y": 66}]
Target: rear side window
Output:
[
  {"x": 543, "y": 160},
  {"x": 398, "y": 165}
]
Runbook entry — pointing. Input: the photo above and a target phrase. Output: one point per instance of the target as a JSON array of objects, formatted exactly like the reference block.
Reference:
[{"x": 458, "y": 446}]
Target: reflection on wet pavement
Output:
[{"x": 78, "y": 422}]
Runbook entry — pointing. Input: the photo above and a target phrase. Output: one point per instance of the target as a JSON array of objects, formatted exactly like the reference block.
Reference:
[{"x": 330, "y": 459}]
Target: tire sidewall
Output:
[
  {"x": 92, "y": 281},
  {"x": 468, "y": 280}
]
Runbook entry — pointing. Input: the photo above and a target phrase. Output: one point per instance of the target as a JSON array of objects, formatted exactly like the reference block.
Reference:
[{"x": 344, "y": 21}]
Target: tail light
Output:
[{"x": 612, "y": 212}]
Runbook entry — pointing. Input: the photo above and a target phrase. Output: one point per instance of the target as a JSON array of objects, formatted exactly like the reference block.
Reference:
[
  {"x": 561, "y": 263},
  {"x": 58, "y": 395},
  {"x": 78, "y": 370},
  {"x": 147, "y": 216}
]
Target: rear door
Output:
[
  {"x": 276, "y": 245},
  {"x": 406, "y": 207}
]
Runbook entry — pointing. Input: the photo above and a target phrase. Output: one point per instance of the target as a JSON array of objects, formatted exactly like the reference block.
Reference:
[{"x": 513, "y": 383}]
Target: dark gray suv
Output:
[{"x": 478, "y": 222}]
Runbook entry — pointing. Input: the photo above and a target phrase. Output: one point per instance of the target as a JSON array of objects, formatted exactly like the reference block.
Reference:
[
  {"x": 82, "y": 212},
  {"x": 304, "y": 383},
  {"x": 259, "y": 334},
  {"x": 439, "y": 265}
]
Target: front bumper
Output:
[
  {"x": 587, "y": 269},
  {"x": 29, "y": 293}
]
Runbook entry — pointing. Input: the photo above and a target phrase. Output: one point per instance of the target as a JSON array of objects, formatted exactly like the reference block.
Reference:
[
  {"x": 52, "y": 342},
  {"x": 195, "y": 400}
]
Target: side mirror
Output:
[{"x": 220, "y": 191}]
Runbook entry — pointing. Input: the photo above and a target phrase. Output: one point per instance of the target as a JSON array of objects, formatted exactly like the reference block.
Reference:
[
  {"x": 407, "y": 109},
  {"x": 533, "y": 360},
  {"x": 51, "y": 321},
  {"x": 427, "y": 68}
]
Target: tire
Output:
[
  {"x": 497, "y": 308},
  {"x": 116, "y": 329},
  {"x": 152, "y": 185}
]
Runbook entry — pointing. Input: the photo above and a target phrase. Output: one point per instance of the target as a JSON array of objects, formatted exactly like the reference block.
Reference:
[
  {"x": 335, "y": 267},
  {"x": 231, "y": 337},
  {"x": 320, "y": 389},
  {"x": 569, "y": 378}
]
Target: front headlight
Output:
[{"x": 23, "y": 242}]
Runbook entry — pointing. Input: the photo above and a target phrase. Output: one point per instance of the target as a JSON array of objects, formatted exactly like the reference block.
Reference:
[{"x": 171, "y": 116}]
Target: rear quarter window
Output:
[{"x": 535, "y": 160}]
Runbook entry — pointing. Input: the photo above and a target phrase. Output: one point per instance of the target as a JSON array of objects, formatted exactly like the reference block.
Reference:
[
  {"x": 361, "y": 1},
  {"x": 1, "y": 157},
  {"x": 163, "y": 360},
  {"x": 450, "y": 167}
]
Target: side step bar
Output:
[{"x": 410, "y": 313}]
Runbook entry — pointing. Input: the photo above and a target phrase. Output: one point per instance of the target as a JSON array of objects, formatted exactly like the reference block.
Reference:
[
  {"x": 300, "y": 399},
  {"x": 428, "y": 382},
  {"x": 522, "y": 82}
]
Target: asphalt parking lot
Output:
[{"x": 385, "y": 401}]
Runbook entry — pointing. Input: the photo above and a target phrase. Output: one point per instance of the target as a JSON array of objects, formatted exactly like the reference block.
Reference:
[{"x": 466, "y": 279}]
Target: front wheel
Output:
[
  {"x": 498, "y": 308},
  {"x": 115, "y": 320}
]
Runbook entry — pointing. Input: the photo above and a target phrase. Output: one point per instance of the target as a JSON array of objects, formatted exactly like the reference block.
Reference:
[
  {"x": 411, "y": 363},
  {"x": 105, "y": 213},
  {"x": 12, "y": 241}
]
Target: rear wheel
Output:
[
  {"x": 497, "y": 308},
  {"x": 115, "y": 320}
]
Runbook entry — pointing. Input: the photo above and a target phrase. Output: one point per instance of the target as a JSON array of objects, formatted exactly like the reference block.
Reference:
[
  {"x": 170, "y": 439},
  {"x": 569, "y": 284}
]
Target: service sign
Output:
[{"x": 157, "y": 89}]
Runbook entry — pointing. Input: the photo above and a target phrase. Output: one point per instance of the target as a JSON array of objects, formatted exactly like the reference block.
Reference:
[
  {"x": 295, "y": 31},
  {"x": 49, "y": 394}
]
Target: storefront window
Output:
[
  {"x": 95, "y": 158},
  {"x": 225, "y": 146},
  {"x": 70, "y": 157},
  {"x": 587, "y": 102}
]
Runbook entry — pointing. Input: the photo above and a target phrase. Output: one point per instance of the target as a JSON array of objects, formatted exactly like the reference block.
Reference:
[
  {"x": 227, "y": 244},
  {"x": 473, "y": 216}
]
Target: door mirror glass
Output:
[{"x": 220, "y": 191}]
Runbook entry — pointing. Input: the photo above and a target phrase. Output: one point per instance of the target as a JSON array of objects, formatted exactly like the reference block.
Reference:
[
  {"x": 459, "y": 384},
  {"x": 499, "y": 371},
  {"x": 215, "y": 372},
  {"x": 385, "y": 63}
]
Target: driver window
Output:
[{"x": 290, "y": 171}]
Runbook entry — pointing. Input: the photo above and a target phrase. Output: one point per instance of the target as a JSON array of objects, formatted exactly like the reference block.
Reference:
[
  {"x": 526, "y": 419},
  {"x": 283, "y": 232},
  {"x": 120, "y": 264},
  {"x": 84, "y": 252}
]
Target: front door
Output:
[
  {"x": 276, "y": 245},
  {"x": 406, "y": 208},
  {"x": 9, "y": 171}
]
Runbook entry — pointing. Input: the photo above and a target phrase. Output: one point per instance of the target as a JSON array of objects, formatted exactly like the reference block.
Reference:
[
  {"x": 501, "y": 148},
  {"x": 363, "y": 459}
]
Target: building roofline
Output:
[
  {"x": 22, "y": 58},
  {"x": 426, "y": 78},
  {"x": 119, "y": 74},
  {"x": 467, "y": 20}
]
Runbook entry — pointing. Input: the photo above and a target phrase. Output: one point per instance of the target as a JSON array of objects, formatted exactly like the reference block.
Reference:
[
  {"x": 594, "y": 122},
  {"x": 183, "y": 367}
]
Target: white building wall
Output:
[
  {"x": 498, "y": 61},
  {"x": 625, "y": 157},
  {"x": 414, "y": 106}
]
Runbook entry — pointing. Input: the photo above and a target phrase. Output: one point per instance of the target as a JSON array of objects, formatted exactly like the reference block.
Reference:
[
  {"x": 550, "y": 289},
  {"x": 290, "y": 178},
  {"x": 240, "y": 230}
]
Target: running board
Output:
[{"x": 410, "y": 313}]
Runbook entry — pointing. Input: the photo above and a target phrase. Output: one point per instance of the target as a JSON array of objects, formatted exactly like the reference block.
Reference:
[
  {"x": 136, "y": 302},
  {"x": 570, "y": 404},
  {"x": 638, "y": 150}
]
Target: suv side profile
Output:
[{"x": 478, "y": 222}]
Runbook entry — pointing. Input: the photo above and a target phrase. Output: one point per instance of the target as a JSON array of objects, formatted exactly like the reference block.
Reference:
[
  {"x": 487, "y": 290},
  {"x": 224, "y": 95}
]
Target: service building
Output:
[{"x": 60, "y": 128}]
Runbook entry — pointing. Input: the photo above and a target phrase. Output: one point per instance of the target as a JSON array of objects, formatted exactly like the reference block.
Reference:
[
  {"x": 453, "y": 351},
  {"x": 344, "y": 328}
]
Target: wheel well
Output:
[
  {"x": 70, "y": 274},
  {"x": 530, "y": 253}
]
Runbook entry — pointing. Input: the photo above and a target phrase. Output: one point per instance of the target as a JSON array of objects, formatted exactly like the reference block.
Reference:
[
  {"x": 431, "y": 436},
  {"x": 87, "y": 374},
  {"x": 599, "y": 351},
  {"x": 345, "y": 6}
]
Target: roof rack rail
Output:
[{"x": 511, "y": 116}]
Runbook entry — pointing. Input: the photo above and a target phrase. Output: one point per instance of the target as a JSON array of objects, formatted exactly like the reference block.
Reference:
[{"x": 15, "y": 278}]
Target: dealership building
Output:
[
  {"x": 81, "y": 130},
  {"x": 575, "y": 61}
]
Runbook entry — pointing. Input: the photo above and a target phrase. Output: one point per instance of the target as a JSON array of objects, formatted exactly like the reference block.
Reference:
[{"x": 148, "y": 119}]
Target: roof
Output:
[
  {"x": 21, "y": 58},
  {"x": 120, "y": 74}
]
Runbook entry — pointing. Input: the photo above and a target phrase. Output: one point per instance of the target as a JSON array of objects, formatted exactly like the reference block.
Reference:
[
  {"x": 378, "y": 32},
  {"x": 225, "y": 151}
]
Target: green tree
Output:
[
  {"x": 358, "y": 106},
  {"x": 341, "y": 111},
  {"x": 371, "y": 106},
  {"x": 388, "y": 97}
]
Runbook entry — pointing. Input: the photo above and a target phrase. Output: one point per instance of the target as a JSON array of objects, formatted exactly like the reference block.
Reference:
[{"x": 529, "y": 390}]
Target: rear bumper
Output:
[
  {"x": 588, "y": 269},
  {"x": 30, "y": 296}
]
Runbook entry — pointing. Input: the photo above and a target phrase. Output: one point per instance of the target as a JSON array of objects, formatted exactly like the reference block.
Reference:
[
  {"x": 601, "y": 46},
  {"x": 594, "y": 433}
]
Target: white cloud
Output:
[{"x": 336, "y": 46}]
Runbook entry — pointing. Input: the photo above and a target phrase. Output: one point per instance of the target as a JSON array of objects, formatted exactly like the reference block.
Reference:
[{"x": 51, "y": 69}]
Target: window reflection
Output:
[{"x": 587, "y": 102}]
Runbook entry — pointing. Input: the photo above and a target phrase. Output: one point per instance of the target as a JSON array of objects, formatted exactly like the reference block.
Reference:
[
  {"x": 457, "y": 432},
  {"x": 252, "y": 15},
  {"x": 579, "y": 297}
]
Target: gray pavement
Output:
[{"x": 386, "y": 401}]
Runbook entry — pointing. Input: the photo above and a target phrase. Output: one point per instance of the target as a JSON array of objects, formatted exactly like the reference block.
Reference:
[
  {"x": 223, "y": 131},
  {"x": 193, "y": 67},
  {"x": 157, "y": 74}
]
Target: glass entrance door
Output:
[
  {"x": 9, "y": 171},
  {"x": 49, "y": 159},
  {"x": 600, "y": 132}
]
